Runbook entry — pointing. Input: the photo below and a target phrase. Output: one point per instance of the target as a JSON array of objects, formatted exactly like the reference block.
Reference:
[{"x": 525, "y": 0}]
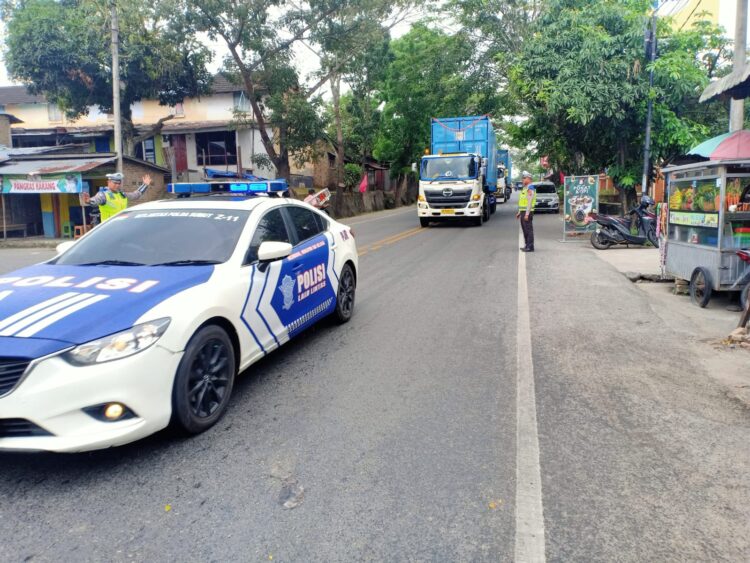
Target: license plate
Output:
[{"x": 448, "y": 211}]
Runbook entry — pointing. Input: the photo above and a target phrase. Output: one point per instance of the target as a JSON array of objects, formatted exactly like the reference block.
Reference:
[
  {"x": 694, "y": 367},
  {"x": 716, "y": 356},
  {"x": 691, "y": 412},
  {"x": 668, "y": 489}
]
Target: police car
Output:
[{"x": 148, "y": 319}]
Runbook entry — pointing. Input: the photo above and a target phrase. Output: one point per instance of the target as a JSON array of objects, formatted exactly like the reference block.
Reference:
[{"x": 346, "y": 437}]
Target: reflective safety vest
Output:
[
  {"x": 116, "y": 202},
  {"x": 523, "y": 199}
]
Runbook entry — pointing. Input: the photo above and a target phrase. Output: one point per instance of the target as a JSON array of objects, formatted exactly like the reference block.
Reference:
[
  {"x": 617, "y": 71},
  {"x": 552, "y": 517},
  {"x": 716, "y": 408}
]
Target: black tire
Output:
[
  {"x": 701, "y": 288},
  {"x": 477, "y": 221},
  {"x": 486, "y": 212},
  {"x": 493, "y": 208},
  {"x": 652, "y": 238},
  {"x": 345, "y": 295},
  {"x": 204, "y": 381},
  {"x": 745, "y": 296},
  {"x": 424, "y": 221},
  {"x": 598, "y": 242}
]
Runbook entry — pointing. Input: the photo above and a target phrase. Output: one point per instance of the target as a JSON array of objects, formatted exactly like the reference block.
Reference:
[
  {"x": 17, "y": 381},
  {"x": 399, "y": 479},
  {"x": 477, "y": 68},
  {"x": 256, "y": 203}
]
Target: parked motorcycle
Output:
[{"x": 617, "y": 230}]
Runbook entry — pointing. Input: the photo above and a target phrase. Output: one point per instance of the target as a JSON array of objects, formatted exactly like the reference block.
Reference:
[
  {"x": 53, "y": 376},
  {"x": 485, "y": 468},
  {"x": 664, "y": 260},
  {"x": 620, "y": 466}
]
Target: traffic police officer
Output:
[
  {"x": 111, "y": 200},
  {"x": 526, "y": 203}
]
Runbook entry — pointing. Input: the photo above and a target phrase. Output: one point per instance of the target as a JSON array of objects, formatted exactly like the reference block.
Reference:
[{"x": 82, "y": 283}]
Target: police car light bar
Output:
[{"x": 233, "y": 186}]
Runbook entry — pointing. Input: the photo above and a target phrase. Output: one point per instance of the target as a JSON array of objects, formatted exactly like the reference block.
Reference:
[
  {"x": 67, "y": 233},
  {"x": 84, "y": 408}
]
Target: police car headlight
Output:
[{"x": 119, "y": 345}]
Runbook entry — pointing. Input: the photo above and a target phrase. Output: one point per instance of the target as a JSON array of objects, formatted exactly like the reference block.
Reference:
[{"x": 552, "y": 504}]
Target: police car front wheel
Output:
[
  {"x": 345, "y": 297},
  {"x": 204, "y": 380}
]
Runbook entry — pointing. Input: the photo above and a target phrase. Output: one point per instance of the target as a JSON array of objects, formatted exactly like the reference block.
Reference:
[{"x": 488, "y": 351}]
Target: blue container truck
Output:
[{"x": 458, "y": 178}]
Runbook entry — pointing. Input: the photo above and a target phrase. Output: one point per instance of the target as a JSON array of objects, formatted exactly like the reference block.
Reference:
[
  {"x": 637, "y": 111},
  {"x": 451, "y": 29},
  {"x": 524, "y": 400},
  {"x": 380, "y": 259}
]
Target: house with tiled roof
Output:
[{"x": 199, "y": 131}]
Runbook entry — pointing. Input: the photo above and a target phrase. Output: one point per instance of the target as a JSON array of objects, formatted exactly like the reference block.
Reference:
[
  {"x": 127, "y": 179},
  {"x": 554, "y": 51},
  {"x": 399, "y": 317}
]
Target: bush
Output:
[{"x": 352, "y": 175}]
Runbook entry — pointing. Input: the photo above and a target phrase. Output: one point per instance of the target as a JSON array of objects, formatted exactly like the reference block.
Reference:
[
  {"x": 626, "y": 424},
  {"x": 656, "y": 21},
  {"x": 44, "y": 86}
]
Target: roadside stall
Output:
[{"x": 708, "y": 219}]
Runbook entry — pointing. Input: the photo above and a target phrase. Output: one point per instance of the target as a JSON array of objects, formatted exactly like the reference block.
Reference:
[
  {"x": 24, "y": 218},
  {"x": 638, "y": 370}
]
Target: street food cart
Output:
[{"x": 708, "y": 222}]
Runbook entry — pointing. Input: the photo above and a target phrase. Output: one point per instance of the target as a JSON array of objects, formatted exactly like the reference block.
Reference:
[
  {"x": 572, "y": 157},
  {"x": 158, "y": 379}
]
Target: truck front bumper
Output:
[{"x": 424, "y": 210}]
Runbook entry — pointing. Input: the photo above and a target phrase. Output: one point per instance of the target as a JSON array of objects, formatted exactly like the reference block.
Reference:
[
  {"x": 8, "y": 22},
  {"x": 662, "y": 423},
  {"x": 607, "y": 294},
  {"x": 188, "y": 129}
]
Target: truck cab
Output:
[
  {"x": 452, "y": 186},
  {"x": 458, "y": 175}
]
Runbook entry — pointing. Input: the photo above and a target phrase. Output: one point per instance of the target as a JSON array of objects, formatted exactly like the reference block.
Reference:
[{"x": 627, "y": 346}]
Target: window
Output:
[
  {"x": 213, "y": 237},
  {"x": 146, "y": 150},
  {"x": 217, "y": 148},
  {"x": 544, "y": 188},
  {"x": 241, "y": 103},
  {"x": 271, "y": 228},
  {"x": 178, "y": 110},
  {"x": 306, "y": 222},
  {"x": 331, "y": 161},
  {"x": 53, "y": 112}
]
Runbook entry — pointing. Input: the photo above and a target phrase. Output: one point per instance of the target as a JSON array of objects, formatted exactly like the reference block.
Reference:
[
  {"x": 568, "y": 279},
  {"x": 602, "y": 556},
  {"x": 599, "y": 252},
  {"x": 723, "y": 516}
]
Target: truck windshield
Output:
[{"x": 449, "y": 167}]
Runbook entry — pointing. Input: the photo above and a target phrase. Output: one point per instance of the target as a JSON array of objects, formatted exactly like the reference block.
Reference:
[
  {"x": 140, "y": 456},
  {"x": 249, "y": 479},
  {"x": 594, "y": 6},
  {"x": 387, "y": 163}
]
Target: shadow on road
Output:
[{"x": 33, "y": 468}]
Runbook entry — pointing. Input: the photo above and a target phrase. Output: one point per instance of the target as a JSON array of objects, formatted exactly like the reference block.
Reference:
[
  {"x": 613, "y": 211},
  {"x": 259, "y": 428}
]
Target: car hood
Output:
[{"x": 76, "y": 304}]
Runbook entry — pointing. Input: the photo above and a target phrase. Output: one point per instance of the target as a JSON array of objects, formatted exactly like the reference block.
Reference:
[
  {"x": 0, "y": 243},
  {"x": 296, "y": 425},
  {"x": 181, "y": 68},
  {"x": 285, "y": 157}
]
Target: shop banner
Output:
[
  {"x": 581, "y": 199},
  {"x": 57, "y": 184},
  {"x": 694, "y": 219}
]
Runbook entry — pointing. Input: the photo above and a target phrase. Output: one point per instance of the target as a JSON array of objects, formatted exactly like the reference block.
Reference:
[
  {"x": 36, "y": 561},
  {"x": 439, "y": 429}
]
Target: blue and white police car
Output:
[{"x": 148, "y": 319}]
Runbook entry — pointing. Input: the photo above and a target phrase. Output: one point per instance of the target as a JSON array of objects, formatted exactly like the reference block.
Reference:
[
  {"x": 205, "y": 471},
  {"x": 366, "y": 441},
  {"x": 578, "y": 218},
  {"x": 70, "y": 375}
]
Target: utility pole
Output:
[
  {"x": 651, "y": 43},
  {"x": 116, "y": 82},
  {"x": 737, "y": 107}
]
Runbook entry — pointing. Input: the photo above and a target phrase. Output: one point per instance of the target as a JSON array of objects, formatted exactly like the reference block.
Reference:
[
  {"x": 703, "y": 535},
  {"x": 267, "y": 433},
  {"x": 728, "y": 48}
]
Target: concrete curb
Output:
[{"x": 35, "y": 243}]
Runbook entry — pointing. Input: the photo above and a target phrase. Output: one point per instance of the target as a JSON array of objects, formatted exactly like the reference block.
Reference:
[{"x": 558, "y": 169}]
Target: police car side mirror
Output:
[
  {"x": 64, "y": 246},
  {"x": 270, "y": 251}
]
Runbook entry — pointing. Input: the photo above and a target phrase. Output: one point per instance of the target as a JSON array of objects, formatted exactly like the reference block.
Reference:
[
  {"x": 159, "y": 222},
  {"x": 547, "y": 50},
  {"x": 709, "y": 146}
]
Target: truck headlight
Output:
[
  {"x": 476, "y": 197},
  {"x": 421, "y": 197},
  {"x": 473, "y": 205},
  {"x": 119, "y": 345}
]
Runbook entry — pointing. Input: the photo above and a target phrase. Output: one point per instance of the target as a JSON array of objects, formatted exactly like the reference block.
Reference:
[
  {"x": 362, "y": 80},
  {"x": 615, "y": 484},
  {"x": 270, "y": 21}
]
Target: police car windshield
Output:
[
  {"x": 175, "y": 237},
  {"x": 449, "y": 167}
]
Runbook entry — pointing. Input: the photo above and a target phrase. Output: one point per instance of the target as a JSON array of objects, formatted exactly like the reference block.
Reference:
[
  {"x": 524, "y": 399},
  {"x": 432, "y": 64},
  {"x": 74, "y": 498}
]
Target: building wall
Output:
[
  {"x": 5, "y": 131},
  {"x": 134, "y": 172}
]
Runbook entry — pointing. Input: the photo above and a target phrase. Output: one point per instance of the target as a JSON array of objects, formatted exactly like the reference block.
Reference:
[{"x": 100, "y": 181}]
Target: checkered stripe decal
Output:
[{"x": 307, "y": 317}]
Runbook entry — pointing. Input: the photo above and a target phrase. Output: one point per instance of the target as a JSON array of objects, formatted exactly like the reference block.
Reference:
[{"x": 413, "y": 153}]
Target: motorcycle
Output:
[{"x": 617, "y": 230}]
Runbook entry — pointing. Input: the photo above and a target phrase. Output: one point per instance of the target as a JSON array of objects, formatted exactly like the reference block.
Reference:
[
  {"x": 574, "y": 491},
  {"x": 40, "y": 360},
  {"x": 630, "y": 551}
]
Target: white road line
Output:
[{"x": 530, "y": 544}]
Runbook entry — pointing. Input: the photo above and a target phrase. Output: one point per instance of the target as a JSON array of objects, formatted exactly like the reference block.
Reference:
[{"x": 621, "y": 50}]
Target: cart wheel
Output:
[
  {"x": 700, "y": 287},
  {"x": 745, "y": 296}
]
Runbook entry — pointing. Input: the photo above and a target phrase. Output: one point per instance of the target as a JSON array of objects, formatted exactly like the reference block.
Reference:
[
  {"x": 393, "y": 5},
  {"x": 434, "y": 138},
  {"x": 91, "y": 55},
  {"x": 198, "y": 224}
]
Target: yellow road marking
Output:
[{"x": 377, "y": 245}]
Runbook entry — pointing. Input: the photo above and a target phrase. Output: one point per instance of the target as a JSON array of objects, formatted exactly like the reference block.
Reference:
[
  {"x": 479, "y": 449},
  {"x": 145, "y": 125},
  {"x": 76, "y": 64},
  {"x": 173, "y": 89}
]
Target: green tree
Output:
[
  {"x": 260, "y": 36},
  {"x": 69, "y": 58},
  {"x": 432, "y": 74},
  {"x": 582, "y": 81}
]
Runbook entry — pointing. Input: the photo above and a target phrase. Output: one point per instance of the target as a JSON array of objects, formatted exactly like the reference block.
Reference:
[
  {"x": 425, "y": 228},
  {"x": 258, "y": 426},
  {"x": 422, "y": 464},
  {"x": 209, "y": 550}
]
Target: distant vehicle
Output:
[
  {"x": 546, "y": 197},
  {"x": 504, "y": 163},
  {"x": 147, "y": 319},
  {"x": 458, "y": 179}
]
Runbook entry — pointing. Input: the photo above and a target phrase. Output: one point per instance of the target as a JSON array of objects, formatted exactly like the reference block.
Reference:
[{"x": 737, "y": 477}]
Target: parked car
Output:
[{"x": 546, "y": 197}]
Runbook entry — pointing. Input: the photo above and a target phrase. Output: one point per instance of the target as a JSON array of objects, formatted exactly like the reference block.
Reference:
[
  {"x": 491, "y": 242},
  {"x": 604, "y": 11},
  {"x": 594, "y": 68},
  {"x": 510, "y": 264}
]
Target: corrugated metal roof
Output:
[
  {"x": 53, "y": 166},
  {"x": 183, "y": 126},
  {"x": 19, "y": 95},
  {"x": 735, "y": 85},
  {"x": 30, "y": 151}
]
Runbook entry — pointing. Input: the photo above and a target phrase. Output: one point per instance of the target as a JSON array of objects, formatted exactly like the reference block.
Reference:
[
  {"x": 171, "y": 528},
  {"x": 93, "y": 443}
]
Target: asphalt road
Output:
[{"x": 395, "y": 437}]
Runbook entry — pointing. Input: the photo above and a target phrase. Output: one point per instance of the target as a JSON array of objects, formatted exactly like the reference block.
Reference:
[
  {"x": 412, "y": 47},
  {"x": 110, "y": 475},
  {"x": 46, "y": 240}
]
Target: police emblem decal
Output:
[{"x": 287, "y": 290}]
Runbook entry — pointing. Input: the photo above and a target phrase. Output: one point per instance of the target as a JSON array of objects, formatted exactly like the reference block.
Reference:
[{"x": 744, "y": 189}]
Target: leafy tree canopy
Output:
[
  {"x": 582, "y": 81},
  {"x": 61, "y": 48}
]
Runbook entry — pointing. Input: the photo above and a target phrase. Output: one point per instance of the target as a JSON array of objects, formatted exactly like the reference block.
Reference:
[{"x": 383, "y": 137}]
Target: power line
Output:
[{"x": 691, "y": 15}]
